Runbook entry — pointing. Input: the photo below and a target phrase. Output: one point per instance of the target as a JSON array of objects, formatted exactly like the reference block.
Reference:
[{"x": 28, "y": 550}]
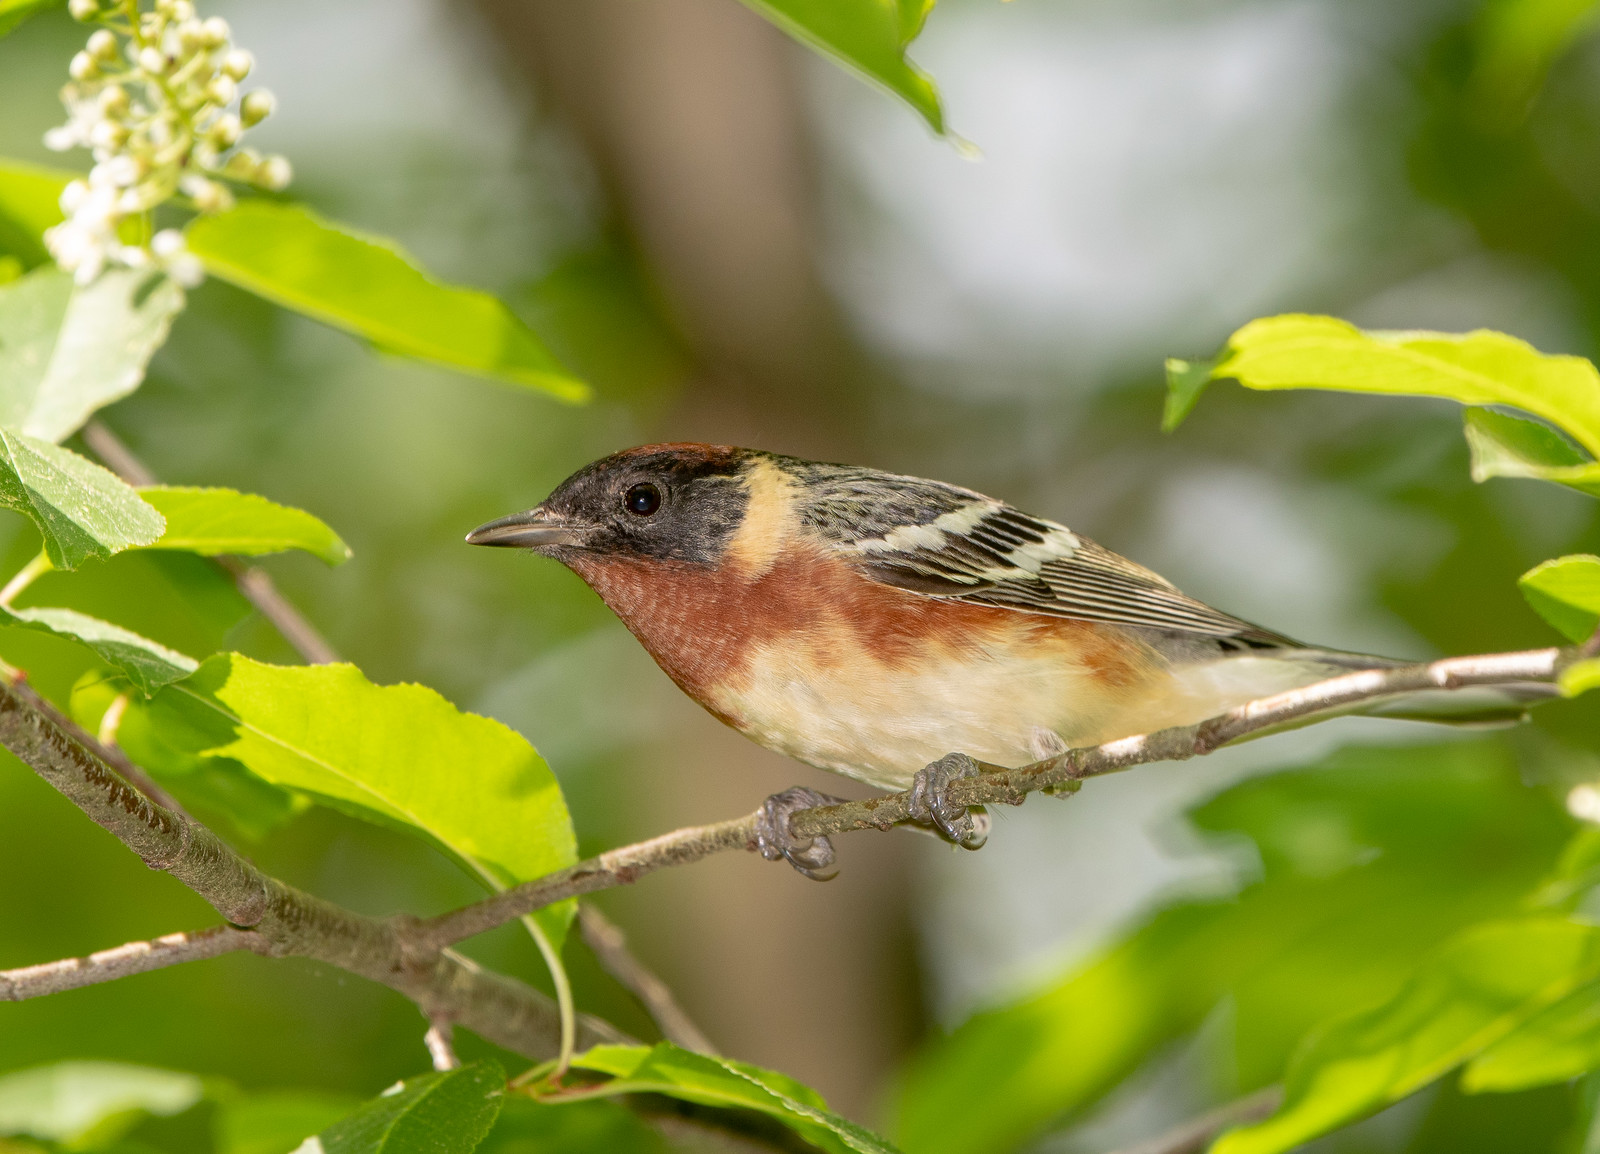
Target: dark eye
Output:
[{"x": 643, "y": 499}]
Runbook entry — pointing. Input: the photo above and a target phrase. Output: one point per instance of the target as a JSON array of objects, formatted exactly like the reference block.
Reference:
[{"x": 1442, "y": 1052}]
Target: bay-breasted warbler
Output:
[{"x": 872, "y": 624}]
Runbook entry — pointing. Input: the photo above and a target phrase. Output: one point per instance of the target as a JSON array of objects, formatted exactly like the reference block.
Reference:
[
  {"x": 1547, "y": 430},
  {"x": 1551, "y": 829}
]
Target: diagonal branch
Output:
[
  {"x": 133, "y": 958},
  {"x": 1000, "y": 786},
  {"x": 1195, "y": 1135},
  {"x": 610, "y": 946},
  {"x": 285, "y": 921}
]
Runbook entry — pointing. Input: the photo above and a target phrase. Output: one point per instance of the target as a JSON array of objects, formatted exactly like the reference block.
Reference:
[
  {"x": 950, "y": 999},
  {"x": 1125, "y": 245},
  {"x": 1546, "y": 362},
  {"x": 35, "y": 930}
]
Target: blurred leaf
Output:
[
  {"x": 147, "y": 664},
  {"x": 528, "y": 1127},
  {"x": 1507, "y": 446},
  {"x": 370, "y": 287},
  {"x": 70, "y": 1101},
  {"x": 1555, "y": 1045},
  {"x": 444, "y": 1113},
  {"x": 1186, "y": 380},
  {"x": 1580, "y": 677},
  {"x": 10, "y": 269},
  {"x": 1516, "y": 41},
  {"x": 29, "y": 204},
  {"x": 398, "y": 753},
  {"x": 1566, "y": 593},
  {"x": 215, "y": 521},
  {"x": 1475, "y": 991},
  {"x": 81, "y": 510},
  {"x": 1369, "y": 861},
  {"x": 666, "y": 1069},
  {"x": 1478, "y": 368},
  {"x": 14, "y": 12},
  {"x": 869, "y": 36},
  {"x": 218, "y": 790},
  {"x": 66, "y": 351},
  {"x": 276, "y": 1121}
]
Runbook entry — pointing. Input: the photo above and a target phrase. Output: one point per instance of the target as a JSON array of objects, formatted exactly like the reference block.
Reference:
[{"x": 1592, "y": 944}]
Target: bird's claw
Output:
[
  {"x": 813, "y": 857},
  {"x": 931, "y": 804}
]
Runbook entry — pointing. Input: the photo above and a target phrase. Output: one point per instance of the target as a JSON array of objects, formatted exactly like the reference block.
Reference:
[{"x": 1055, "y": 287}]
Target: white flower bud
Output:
[
  {"x": 224, "y": 131},
  {"x": 182, "y": 10},
  {"x": 73, "y": 196},
  {"x": 83, "y": 67},
  {"x": 236, "y": 65},
  {"x": 243, "y": 165},
  {"x": 152, "y": 60},
  {"x": 121, "y": 171},
  {"x": 61, "y": 138},
  {"x": 222, "y": 90},
  {"x": 103, "y": 45},
  {"x": 113, "y": 100},
  {"x": 108, "y": 134},
  {"x": 83, "y": 10},
  {"x": 167, "y": 243},
  {"x": 256, "y": 107},
  {"x": 274, "y": 173},
  {"x": 191, "y": 36},
  {"x": 208, "y": 195},
  {"x": 132, "y": 256},
  {"x": 186, "y": 269},
  {"x": 216, "y": 31}
]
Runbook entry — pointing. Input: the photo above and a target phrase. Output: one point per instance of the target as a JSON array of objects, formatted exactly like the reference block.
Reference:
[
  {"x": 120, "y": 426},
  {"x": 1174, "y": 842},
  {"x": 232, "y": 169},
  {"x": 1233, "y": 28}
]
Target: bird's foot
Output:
[
  {"x": 931, "y": 804},
  {"x": 813, "y": 857}
]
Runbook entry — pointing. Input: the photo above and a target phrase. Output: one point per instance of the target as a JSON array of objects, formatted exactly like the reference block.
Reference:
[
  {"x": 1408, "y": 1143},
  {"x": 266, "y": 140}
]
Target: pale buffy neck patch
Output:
[{"x": 768, "y": 518}]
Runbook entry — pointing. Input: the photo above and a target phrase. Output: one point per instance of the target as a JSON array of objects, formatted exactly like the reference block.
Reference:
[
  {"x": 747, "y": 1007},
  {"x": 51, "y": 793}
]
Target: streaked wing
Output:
[{"x": 942, "y": 541}]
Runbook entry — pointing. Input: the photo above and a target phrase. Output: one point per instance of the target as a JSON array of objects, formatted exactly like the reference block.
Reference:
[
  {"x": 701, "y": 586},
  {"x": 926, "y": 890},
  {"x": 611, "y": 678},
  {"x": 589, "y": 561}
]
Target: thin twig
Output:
[
  {"x": 998, "y": 785},
  {"x": 440, "y": 1040},
  {"x": 133, "y": 958},
  {"x": 1195, "y": 1135},
  {"x": 289, "y": 921},
  {"x": 252, "y": 581},
  {"x": 610, "y": 946}
]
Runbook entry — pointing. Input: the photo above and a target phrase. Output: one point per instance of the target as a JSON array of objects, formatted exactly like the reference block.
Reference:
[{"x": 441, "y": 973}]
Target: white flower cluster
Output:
[{"x": 156, "y": 96}]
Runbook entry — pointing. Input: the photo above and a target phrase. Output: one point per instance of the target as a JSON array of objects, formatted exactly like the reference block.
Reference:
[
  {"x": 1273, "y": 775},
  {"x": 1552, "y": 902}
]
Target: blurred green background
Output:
[{"x": 736, "y": 241}]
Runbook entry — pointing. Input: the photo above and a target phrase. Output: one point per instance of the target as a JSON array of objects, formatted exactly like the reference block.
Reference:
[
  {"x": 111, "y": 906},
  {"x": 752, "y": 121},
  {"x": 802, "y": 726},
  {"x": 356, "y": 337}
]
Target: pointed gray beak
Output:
[{"x": 528, "y": 530}]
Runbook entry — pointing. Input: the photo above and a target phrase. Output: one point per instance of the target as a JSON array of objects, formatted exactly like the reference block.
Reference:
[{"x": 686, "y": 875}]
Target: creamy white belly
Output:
[{"x": 881, "y": 723}]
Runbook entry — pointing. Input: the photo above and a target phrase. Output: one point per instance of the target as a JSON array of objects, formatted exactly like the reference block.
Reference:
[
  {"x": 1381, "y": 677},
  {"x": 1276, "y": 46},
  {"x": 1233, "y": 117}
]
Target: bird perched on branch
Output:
[{"x": 900, "y": 631}]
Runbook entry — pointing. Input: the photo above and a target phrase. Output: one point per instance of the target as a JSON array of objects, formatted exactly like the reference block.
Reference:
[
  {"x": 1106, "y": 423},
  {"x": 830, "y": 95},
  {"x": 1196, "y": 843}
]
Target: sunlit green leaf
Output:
[
  {"x": 444, "y": 1113},
  {"x": 66, "y": 351},
  {"x": 1560, "y": 1043},
  {"x": 1508, "y": 446},
  {"x": 1580, "y": 677},
  {"x": 677, "y": 1073},
  {"x": 29, "y": 204},
  {"x": 70, "y": 1101},
  {"x": 215, "y": 521},
  {"x": 1370, "y": 861},
  {"x": 276, "y": 1121},
  {"x": 82, "y": 510},
  {"x": 1566, "y": 593},
  {"x": 371, "y": 288},
  {"x": 147, "y": 664},
  {"x": 397, "y": 753},
  {"x": 869, "y": 36},
  {"x": 1477, "y": 368},
  {"x": 14, "y": 12},
  {"x": 1474, "y": 992}
]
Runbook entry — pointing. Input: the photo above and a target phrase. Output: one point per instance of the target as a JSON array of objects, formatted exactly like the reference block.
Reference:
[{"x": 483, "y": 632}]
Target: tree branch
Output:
[
  {"x": 133, "y": 958},
  {"x": 1000, "y": 786},
  {"x": 1195, "y": 1135},
  {"x": 251, "y": 580},
  {"x": 284, "y": 921},
  {"x": 610, "y": 946}
]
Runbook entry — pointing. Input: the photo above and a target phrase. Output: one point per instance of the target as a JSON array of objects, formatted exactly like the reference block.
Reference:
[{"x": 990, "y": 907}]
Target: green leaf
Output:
[
  {"x": 66, "y": 351},
  {"x": 216, "y": 521},
  {"x": 276, "y": 1121},
  {"x": 869, "y": 36},
  {"x": 1515, "y": 43},
  {"x": 147, "y": 664},
  {"x": 1558, "y": 1044},
  {"x": 599, "y": 1126},
  {"x": 70, "y": 1101},
  {"x": 400, "y": 754},
  {"x": 1566, "y": 593},
  {"x": 1509, "y": 446},
  {"x": 1369, "y": 861},
  {"x": 1186, "y": 380},
  {"x": 81, "y": 510},
  {"x": 14, "y": 12},
  {"x": 29, "y": 203},
  {"x": 444, "y": 1113},
  {"x": 1477, "y": 368},
  {"x": 371, "y": 288},
  {"x": 1580, "y": 677},
  {"x": 1474, "y": 992},
  {"x": 707, "y": 1081}
]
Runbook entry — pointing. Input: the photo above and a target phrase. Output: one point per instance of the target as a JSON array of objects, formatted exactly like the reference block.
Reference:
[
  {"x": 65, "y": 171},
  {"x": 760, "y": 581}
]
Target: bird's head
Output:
[{"x": 680, "y": 502}]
